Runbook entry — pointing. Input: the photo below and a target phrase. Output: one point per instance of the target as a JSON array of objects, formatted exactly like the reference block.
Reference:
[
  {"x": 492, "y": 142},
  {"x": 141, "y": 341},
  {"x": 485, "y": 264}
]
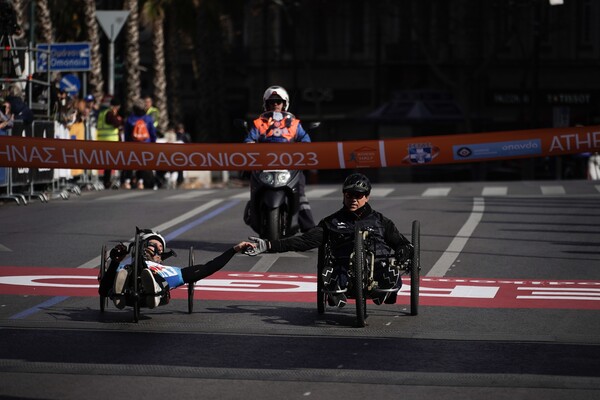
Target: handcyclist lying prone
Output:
[{"x": 156, "y": 278}]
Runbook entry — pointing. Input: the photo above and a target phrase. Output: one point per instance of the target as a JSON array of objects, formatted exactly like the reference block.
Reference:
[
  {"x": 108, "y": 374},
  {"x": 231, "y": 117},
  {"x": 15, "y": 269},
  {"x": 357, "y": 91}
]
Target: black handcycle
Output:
[
  {"x": 133, "y": 294},
  {"x": 361, "y": 282}
]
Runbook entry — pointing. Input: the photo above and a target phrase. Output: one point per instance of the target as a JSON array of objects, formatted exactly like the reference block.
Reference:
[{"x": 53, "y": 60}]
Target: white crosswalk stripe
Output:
[
  {"x": 190, "y": 194},
  {"x": 437, "y": 191},
  {"x": 552, "y": 189},
  {"x": 381, "y": 192},
  {"x": 316, "y": 193},
  {"x": 494, "y": 191},
  {"x": 244, "y": 195},
  {"x": 129, "y": 195},
  {"x": 597, "y": 187}
]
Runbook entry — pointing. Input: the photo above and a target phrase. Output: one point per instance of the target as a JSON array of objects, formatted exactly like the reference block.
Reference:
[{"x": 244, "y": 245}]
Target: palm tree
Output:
[
  {"x": 132, "y": 59},
  {"x": 96, "y": 79},
  {"x": 44, "y": 21},
  {"x": 153, "y": 14}
]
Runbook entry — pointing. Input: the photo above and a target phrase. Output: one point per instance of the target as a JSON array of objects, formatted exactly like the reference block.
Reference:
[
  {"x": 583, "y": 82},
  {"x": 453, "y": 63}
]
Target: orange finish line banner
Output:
[{"x": 405, "y": 152}]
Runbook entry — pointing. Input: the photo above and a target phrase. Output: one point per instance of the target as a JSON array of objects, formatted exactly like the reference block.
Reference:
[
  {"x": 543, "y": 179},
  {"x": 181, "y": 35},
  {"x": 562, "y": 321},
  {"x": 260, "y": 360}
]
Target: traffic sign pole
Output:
[
  {"x": 111, "y": 68},
  {"x": 111, "y": 23}
]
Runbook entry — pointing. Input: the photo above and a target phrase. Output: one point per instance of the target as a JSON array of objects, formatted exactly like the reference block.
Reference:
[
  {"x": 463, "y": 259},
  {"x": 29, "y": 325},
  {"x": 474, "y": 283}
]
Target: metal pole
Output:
[
  {"x": 111, "y": 68},
  {"x": 111, "y": 62}
]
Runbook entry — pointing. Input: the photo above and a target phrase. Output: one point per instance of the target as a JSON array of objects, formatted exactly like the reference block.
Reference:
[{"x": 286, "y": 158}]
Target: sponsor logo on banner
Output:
[
  {"x": 497, "y": 149},
  {"x": 364, "y": 157},
  {"x": 421, "y": 153}
]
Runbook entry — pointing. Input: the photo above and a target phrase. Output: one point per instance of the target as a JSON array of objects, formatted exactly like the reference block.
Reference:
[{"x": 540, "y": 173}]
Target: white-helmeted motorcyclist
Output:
[{"x": 276, "y": 125}]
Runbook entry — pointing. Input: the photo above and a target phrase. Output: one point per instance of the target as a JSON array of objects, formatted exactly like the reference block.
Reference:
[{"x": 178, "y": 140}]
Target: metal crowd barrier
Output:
[{"x": 23, "y": 184}]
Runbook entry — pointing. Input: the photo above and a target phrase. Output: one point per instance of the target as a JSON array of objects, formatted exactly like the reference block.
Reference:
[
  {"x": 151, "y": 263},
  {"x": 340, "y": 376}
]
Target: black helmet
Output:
[{"x": 357, "y": 183}]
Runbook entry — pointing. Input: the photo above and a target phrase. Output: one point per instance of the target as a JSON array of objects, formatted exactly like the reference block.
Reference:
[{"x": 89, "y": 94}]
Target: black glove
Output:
[
  {"x": 405, "y": 253},
  {"x": 118, "y": 252},
  {"x": 260, "y": 246}
]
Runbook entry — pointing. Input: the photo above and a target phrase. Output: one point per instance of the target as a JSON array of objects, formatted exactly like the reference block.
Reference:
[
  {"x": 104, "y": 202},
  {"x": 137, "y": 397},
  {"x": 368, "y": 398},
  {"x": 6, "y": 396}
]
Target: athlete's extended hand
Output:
[{"x": 258, "y": 246}]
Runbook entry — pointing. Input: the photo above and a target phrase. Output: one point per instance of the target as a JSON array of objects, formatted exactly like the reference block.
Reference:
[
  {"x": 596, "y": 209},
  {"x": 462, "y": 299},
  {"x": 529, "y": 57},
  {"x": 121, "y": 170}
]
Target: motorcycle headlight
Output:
[{"x": 275, "y": 178}]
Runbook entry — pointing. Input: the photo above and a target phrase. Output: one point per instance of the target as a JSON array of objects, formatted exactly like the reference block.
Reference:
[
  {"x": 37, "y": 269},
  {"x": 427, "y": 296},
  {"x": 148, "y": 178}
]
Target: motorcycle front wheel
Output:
[{"x": 272, "y": 224}]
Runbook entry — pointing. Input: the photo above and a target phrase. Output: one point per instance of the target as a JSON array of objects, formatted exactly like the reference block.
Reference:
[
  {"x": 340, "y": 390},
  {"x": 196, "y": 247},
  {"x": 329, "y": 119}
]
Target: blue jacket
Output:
[{"x": 130, "y": 123}]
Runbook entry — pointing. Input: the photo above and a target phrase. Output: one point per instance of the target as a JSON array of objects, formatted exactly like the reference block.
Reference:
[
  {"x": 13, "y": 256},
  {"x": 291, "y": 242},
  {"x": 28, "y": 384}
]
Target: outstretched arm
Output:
[{"x": 201, "y": 271}]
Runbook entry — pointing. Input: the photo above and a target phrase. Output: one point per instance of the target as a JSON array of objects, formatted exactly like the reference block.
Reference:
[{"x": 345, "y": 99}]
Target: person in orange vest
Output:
[{"x": 276, "y": 125}]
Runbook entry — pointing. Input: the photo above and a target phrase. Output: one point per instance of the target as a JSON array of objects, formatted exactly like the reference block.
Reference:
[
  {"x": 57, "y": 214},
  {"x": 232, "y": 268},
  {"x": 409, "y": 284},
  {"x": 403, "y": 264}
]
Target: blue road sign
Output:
[
  {"x": 70, "y": 84},
  {"x": 63, "y": 57}
]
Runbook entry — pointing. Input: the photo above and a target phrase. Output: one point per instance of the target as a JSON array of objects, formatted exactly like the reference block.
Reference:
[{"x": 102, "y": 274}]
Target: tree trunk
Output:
[
  {"x": 132, "y": 57},
  {"x": 160, "y": 81},
  {"x": 96, "y": 79}
]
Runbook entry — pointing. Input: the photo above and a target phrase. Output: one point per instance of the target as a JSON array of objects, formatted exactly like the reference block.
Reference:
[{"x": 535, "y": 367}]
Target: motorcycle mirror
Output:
[{"x": 314, "y": 125}]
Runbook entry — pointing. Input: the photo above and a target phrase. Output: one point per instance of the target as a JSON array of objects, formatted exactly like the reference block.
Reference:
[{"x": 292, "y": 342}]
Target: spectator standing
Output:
[
  {"x": 6, "y": 118},
  {"x": 139, "y": 127},
  {"x": 152, "y": 111},
  {"x": 19, "y": 108},
  {"x": 184, "y": 137},
  {"x": 109, "y": 129},
  {"x": 64, "y": 112}
]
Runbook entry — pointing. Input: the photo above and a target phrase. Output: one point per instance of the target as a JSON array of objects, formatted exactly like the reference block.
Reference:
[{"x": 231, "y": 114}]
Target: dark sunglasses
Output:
[
  {"x": 274, "y": 101},
  {"x": 354, "y": 195},
  {"x": 154, "y": 249}
]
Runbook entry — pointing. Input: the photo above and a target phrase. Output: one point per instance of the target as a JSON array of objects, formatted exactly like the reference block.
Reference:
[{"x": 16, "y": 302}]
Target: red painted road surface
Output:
[{"x": 286, "y": 287}]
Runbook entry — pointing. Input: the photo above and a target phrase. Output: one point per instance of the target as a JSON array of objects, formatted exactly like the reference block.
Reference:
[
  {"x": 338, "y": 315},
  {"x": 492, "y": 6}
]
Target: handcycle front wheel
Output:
[
  {"x": 103, "y": 299},
  {"x": 137, "y": 260},
  {"x": 358, "y": 266},
  {"x": 415, "y": 269},
  {"x": 191, "y": 284}
]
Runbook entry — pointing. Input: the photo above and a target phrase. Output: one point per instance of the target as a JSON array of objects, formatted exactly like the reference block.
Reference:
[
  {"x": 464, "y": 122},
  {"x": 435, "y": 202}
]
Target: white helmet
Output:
[
  {"x": 276, "y": 92},
  {"x": 147, "y": 235}
]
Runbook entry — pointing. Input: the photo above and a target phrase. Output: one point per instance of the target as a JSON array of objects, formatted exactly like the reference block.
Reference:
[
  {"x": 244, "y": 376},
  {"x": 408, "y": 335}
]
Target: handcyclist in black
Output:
[{"x": 338, "y": 231}]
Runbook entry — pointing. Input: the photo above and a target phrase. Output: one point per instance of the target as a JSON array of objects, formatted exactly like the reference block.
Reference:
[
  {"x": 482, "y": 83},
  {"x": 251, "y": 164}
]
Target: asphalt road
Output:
[{"x": 509, "y": 301}]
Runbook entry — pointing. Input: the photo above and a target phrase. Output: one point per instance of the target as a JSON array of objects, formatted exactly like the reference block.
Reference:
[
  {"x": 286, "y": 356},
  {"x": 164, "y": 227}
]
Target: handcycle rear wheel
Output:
[
  {"x": 103, "y": 299},
  {"x": 415, "y": 269},
  {"x": 191, "y": 284},
  {"x": 358, "y": 266},
  {"x": 136, "y": 274}
]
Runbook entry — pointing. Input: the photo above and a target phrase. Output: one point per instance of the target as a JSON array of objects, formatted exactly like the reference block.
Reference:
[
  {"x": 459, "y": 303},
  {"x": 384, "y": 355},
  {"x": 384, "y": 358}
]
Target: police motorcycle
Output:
[
  {"x": 361, "y": 283},
  {"x": 133, "y": 294},
  {"x": 272, "y": 211}
]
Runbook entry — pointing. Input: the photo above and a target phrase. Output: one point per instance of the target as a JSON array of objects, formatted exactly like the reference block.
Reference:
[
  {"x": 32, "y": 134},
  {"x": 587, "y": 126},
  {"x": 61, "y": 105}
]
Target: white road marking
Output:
[
  {"x": 130, "y": 195},
  {"x": 316, "y": 193},
  {"x": 597, "y": 187},
  {"x": 460, "y": 240},
  {"x": 551, "y": 190},
  {"x": 381, "y": 192},
  {"x": 267, "y": 260},
  {"x": 190, "y": 194},
  {"x": 93, "y": 263},
  {"x": 494, "y": 191},
  {"x": 4, "y": 248},
  {"x": 244, "y": 195},
  {"x": 439, "y": 191}
]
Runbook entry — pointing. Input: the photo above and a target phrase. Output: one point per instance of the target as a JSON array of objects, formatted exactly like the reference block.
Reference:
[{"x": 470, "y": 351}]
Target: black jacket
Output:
[{"x": 316, "y": 236}]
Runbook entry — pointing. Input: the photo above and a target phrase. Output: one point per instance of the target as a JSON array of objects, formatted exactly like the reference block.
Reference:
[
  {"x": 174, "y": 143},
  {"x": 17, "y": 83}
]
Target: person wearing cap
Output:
[
  {"x": 157, "y": 278},
  {"x": 337, "y": 231},
  {"x": 277, "y": 125}
]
